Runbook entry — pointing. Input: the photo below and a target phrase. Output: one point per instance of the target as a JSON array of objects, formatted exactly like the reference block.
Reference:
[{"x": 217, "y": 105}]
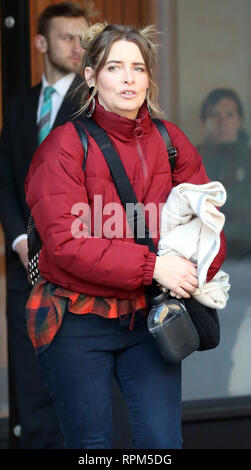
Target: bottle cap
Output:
[{"x": 156, "y": 294}]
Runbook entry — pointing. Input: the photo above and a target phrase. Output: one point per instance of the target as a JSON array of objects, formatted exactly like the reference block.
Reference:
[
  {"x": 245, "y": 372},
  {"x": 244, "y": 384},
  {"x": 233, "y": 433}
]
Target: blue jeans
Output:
[{"x": 79, "y": 367}]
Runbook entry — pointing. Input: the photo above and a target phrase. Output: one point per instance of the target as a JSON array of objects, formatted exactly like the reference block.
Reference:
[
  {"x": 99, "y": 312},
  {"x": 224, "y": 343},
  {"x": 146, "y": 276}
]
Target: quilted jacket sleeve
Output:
[{"x": 54, "y": 184}]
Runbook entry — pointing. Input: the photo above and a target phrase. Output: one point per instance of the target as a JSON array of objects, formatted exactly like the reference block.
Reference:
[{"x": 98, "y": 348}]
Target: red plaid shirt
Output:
[{"x": 47, "y": 304}]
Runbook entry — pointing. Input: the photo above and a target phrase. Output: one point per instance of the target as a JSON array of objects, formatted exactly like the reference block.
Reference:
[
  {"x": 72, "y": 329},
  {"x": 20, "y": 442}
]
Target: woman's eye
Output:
[{"x": 111, "y": 68}]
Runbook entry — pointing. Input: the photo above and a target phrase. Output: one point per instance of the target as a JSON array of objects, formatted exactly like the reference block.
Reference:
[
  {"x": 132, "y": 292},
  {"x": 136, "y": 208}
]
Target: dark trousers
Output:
[
  {"x": 79, "y": 367},
  {"x": 39, "y": 422}
]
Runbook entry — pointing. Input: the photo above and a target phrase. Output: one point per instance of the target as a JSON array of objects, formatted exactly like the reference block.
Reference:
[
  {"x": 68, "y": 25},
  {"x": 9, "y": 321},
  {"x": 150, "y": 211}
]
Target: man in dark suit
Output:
[{"x": 28, "y": 120}]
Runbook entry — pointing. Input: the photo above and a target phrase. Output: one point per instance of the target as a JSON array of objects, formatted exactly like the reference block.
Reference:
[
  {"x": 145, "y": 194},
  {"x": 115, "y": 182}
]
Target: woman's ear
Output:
[{"x": 89, "y": 76}]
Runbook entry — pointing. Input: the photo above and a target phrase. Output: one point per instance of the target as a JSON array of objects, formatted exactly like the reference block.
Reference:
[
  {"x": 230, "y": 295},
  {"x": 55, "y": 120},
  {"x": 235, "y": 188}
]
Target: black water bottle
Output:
[{"x": 170, "y": 324}]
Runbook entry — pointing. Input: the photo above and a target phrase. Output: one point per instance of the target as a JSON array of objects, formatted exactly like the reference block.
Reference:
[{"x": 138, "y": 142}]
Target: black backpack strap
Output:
[
  {"x": 83, "y": 137},
  {"x": 122, "y": 183},
  {"x": 172, "y": 151}
]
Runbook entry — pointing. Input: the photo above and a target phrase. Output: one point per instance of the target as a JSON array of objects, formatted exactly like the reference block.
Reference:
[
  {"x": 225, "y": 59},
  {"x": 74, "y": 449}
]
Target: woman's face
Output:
[
  {"x": 123, "y": 81},
  {"x": 223, "y": 121}
]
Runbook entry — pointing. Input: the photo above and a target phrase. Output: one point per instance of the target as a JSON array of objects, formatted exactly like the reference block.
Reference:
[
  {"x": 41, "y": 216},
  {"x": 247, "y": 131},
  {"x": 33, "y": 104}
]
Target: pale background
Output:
[{"x": 214, "y": 38}]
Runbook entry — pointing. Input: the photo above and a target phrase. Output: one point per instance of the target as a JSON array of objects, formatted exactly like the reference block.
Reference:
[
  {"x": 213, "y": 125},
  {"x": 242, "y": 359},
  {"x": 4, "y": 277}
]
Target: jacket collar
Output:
[{"x": 120, "y": 127}]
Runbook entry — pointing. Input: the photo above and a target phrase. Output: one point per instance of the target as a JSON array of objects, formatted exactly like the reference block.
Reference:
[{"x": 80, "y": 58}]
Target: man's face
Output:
[{"x": 64, "y": 52}]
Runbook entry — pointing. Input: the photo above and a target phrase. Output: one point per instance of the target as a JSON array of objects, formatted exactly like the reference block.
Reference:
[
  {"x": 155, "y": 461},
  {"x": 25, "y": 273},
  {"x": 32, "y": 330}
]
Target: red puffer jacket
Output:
[{"x": 75, "y": 253}]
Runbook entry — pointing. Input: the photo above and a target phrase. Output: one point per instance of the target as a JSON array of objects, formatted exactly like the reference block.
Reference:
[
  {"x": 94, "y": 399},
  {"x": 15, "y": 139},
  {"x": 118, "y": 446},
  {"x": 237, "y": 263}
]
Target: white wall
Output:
[{"x": 213, "y": 51}]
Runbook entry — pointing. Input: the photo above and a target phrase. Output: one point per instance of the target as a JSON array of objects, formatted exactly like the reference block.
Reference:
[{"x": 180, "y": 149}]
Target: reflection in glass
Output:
[
  {"x": 213, "y": 53},
  {"x": 227, "y": 158}
]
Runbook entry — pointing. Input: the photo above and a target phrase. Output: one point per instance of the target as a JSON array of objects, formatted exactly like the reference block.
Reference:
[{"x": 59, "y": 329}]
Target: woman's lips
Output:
[{"x": 128, "y": 94}]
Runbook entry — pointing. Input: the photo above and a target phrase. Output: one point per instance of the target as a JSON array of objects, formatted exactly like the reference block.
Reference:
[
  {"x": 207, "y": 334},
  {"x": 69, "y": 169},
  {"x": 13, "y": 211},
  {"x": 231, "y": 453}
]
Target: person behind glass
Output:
[
  {"x": 227, "y": 157},
  {"x": 29, "y": 118},
  {"x": 91, "y": 298}
]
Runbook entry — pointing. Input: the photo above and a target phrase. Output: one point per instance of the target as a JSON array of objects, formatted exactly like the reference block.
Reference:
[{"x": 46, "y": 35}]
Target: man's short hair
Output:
[{"x": 66, "y": 9}]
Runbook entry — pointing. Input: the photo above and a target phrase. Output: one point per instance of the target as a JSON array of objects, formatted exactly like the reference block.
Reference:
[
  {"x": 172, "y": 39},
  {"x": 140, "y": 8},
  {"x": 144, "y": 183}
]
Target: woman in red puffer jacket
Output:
[{"x": 87, "y": 313}]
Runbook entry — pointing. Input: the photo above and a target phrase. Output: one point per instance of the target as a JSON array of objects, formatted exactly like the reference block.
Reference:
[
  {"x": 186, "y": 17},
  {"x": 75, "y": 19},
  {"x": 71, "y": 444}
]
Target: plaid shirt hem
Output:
[{"x": 48, "y": 303}]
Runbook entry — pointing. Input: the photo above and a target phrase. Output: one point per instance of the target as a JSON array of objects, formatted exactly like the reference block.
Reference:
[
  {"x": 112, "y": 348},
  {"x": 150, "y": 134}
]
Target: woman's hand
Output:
[{"x": 177, "y": 274}]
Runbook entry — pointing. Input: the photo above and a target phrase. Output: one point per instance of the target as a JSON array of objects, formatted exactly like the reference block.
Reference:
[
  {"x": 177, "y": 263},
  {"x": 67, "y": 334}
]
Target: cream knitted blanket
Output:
[{"x": 190, "y": 227}]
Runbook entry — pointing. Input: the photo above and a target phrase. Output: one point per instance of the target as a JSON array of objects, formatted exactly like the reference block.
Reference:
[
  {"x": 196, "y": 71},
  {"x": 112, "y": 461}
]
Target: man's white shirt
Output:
[{"x": 61, "y": 87}]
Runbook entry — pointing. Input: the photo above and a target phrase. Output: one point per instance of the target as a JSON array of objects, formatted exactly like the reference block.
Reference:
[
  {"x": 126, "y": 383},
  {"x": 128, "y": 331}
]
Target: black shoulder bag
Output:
[{"x": 204, "y": 319}]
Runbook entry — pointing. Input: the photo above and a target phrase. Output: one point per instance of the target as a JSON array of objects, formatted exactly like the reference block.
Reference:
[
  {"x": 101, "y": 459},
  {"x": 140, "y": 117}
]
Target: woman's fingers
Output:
[
  {"x": 179, "y": 294},
  {"x": 190, "y": 284},
  {"x": 192, "y": 270},
  {"x": 185, "y": 288},
  {"x": 177, "y": 274}
]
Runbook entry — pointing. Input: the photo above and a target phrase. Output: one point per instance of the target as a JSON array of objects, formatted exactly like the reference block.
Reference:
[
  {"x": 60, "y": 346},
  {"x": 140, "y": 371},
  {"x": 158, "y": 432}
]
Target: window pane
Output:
[{"x": 214, "y": 54}]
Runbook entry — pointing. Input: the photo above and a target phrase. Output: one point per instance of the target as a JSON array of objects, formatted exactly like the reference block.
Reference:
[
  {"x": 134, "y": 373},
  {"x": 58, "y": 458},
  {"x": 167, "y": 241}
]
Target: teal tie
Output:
[{"x": 45, "y": 115}]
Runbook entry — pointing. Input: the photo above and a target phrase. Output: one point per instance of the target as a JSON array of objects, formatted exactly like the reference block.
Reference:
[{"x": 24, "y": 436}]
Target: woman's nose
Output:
[{"x": 128, "y": 76}]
